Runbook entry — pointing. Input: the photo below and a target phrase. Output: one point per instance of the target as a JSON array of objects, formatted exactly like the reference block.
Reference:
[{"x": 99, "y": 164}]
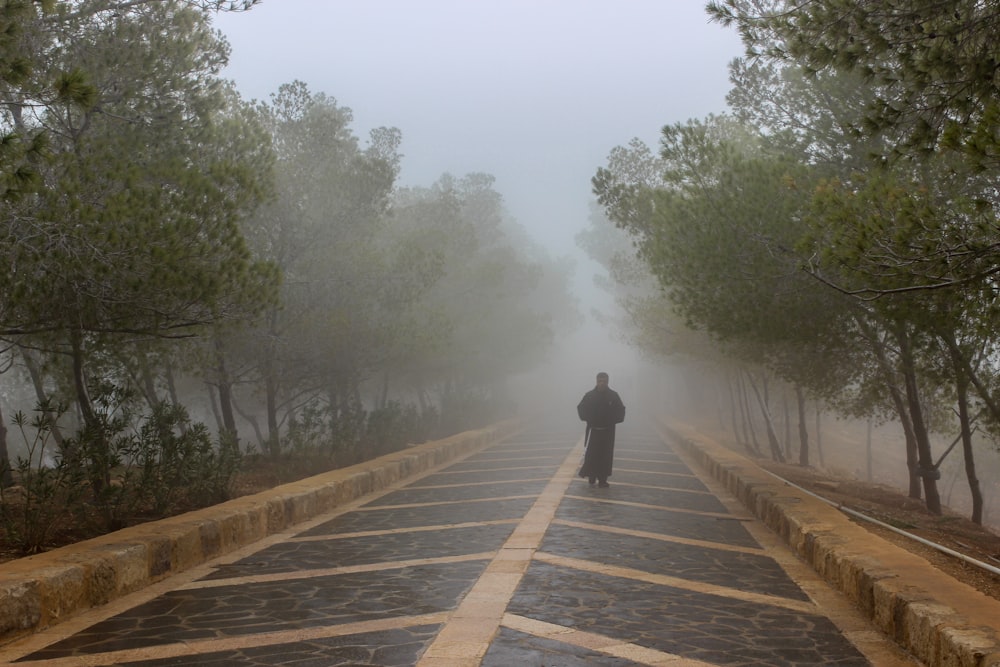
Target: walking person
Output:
[{"x": 601, "y": 408}]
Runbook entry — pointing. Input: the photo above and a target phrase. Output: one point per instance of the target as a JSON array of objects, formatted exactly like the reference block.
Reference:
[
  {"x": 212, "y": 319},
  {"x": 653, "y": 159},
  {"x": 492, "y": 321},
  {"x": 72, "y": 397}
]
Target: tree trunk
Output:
[
  {"x": 383, "y": 400},
  {"x": 970, "y": 373},
  {"x": 925, "y": 460},
  {"x": 868, "y": 452},
  {"x": 43, "y": 400},
  {"x": 213, "y": 400},
  {"x": 225, "y": 389},
  {"x": 962, "y": 391},
  {"x": 422, "y": 400},
  {"x": 100, "y": 448},
  {"x": 272, "y": 384},
  {"x": 148, "y": 380},
  {"x": 734, "y": 411},
  {"x": 899, "y": 402},
  {"x": 168, "y": 375},
  {"x": 6, "y": 474},
  {"x": 253, "y": 424},
  {"x": 772, "y": 438},
  {"x": 748, "y": 430},
  {"x": 788, "y": 424},
  {"x": 336, "y": 423},
  {"x": 271, "y": 399},
  {"x": 800, "y": 399},
  {"x": 819, "y": 436}
]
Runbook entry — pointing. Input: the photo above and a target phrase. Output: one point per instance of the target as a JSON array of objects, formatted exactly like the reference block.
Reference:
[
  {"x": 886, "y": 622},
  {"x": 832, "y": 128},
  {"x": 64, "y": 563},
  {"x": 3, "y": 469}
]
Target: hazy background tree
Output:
[{"x": 497, "y": 306}]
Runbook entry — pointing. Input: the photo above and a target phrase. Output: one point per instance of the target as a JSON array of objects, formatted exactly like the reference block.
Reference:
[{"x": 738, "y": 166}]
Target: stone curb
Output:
[
  {"x": 42, "y": 590},
  {"x": 940, "y": 621}
]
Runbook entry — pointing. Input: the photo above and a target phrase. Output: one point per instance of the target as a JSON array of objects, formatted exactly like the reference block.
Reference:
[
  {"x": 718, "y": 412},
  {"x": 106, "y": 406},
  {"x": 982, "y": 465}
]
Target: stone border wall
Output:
[
  {"x": 941, "y": 621},
  {"x": 42, "y": 590}
]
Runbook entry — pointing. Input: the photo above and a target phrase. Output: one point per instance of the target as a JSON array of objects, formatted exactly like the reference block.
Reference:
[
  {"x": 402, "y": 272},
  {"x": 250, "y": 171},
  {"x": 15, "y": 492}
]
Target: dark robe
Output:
[{"x": 601, "y": 409}]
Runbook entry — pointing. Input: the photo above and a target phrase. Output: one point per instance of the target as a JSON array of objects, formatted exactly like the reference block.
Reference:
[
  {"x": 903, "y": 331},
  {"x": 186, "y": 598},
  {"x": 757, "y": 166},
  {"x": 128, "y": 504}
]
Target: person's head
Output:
[{"x": 602, "y": 381}]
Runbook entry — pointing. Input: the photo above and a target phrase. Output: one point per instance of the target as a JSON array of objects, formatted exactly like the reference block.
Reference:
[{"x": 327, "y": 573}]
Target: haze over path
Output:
[{"x": 534, "y": 93}]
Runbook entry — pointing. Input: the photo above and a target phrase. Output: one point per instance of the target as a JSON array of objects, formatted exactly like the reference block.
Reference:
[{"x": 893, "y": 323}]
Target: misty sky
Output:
[{"x": 534, "y": 92}]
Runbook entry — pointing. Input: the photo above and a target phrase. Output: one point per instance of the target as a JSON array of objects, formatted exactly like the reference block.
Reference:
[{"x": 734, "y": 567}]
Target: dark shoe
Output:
[
  {"x": 604, "y": 485},
  {"x": 591, "y": 481}
]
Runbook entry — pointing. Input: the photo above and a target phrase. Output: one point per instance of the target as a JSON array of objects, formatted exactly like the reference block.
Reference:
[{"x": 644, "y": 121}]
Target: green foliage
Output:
[
  {"x": 931, "y": 64},
  {"x": 471, "y": 406},
  {"x": 308, "y": 428},
  {"x": 390, "y": 428},
  {"x": 886, "y": 232},
  {"x": 181, "y": 468},
  {"x": 148, "y": 466},
  {"x": 46, "y": 486},
  {"x": 151, "y": 161},
  {"x": 136, "y": 227}
]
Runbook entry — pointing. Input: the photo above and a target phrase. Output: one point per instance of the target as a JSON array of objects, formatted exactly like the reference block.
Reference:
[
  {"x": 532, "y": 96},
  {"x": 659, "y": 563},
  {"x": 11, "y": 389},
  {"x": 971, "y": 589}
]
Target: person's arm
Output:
[
  {"x": 619, "y": 409},
  {"x": 582, "y": 409}
]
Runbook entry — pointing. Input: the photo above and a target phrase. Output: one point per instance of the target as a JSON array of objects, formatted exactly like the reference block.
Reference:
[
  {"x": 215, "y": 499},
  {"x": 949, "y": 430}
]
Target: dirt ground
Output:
[{"x": 894, "y": 508}]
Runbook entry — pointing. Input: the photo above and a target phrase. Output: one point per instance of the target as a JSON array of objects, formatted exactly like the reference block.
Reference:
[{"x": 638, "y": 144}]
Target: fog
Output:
[
  {"x": 395, "y": 203},
  {"x": 534, "y": 93}
]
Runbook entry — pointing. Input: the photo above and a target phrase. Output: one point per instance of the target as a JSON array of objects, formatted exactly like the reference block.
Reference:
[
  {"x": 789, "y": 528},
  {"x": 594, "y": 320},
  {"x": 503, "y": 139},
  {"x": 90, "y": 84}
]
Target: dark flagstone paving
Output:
[
  {"x": 342, "y": 552},
  {"x": 656, "y": 564},
  {"x": 600, "y": 511},
  {"x": 518, "y": 648},
  {"x": 710, "y": 628},
  {"x": 757, "y": 573},
  {"x": 455, "y": 493},
  {"x": 248, "y": 608}
]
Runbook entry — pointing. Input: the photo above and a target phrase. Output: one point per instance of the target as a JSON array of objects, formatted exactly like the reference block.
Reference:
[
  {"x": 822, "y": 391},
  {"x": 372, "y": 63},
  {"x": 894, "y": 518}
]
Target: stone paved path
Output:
[{"x": 503, "y": 559}]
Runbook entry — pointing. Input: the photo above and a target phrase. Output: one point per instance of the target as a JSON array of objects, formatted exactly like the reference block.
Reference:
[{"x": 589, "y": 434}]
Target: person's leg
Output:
[{"x": 602, "y": 455}]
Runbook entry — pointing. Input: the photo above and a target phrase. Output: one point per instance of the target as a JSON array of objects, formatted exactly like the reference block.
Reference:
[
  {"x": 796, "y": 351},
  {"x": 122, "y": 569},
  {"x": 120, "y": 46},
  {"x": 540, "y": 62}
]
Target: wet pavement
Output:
[{"x": 504, "y": 558}]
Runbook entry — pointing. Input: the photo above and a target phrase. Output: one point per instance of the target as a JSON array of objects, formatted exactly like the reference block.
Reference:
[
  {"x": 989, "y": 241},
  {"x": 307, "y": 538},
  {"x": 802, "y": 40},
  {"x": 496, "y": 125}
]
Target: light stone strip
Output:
[
  {"x": 477, "y": 470},
  {"x": 674, "y": 582},
  {"x": 596, "y": 642},
  {"x": 396, "y": 531},
  {"x": 716, "y": 546},
  {"x": 464, "y": 640},
  {"x": 438, "y": 503},
  {"x": 709, "y": 515},
  {"x": 297, "y": 575},
  {"x": 561, "y": 442},
  {"x": 203, "y": 646},
  {"x": 632, "y": 485},
  {"x": 467, "y": 484},
  {"x": 625, "y": 468},
  {"x": 500, "y": 448},
  {"x": 486, "y": 455}
]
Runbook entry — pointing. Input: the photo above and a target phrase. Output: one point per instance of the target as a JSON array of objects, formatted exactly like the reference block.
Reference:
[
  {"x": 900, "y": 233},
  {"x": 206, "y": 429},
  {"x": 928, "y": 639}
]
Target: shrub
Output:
[
  {"x": 45, "y": 485},
  {"x": 150, "y": 466}
]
